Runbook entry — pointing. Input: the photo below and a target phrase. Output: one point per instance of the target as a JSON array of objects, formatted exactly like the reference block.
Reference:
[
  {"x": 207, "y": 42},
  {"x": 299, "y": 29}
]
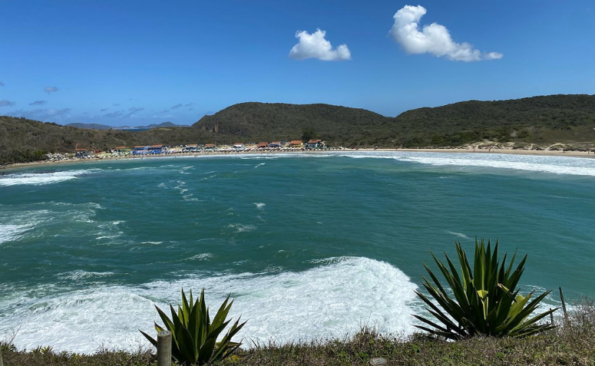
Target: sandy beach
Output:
[{"x": 576, "y": 154}]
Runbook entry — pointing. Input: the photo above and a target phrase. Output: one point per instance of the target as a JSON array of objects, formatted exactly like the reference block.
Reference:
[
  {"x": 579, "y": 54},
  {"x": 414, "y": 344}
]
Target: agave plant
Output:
[
  {"x": 194, "y": 335},
  {"x": 486, "y": 301}
]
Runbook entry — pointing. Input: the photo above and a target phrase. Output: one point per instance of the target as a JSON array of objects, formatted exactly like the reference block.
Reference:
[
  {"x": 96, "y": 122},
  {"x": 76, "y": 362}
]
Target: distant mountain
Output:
[{"x": 97, "y": 126}]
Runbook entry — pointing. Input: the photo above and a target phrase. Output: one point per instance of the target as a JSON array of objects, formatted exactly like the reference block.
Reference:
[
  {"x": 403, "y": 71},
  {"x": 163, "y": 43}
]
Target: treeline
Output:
[
  {"x": 16, "y": 157},
  {"x": 539, "y": 120}
]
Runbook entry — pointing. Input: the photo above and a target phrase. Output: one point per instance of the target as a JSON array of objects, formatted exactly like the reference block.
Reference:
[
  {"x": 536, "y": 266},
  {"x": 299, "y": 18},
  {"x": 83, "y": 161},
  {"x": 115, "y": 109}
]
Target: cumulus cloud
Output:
[
  {"x": 433, "y": 38},
  {"x": 316, "y": 46},
  {"x": 6, "y": 103},
  {"x": 177, "y": 106},
  {"x": 50, "y": 89},
  {"x": 38, "y": 102}
]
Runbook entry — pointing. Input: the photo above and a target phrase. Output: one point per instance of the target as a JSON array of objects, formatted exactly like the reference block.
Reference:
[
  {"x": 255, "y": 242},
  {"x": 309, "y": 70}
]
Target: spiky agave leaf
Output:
[
  {"x": 194, "y": 335},
  {"x": 484, "y": 297}
]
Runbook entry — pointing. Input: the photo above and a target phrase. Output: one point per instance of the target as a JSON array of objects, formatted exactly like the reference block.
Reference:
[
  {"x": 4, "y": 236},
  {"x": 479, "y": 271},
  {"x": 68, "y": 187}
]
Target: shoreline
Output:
[{"x": 574, "y": 154}]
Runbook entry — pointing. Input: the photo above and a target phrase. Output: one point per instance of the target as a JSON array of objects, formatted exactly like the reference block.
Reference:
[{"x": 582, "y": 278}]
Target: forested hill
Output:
[
  {"x": 555, "y": 111},
  {"x": 21, "y": 137},
  {"x": 276, "y": 121},
  {"x": 568, "y": 119},
  {"x": 542, "y": 120}
]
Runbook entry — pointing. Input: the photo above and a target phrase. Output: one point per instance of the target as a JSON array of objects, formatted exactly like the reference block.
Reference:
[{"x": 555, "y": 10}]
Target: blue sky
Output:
[{"x": 130, "y": 62}]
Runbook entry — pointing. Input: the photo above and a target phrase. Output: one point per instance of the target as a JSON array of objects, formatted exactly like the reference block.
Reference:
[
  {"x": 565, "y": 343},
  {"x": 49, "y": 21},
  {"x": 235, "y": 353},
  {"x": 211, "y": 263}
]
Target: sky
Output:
[{"x": 136, "y": 62}]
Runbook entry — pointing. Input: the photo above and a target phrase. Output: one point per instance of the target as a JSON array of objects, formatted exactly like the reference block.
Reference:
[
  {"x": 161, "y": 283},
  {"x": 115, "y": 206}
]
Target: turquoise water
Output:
[{"x": 309, "y": 246}]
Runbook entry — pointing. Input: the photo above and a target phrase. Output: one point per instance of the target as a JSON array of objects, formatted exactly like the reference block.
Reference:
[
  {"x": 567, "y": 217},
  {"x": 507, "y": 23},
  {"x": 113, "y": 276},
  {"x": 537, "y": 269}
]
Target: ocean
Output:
[{"x": 309, "y": 246}]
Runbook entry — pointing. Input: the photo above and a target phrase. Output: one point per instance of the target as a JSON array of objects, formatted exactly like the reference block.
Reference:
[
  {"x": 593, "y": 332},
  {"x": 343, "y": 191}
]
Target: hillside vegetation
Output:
[
  {"x": 540, "y": 120},
  {"x": 543, "y": 121}
]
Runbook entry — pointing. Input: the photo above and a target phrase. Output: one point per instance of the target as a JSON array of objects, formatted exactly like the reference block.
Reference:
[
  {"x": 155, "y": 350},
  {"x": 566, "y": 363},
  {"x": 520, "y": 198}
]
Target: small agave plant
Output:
[
  {"x": 486, "y": 301},
  {"x": 195, "y": 335}
]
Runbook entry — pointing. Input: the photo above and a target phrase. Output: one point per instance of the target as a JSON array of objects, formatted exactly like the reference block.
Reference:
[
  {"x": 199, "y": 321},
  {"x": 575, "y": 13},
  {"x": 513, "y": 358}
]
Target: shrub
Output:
[
  {"x": 194, "y": 335},
  {"x": 486, "y": 301}
]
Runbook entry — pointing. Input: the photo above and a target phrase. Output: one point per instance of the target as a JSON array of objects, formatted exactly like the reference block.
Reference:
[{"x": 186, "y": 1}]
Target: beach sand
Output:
[{"x": 577, "y": 154}]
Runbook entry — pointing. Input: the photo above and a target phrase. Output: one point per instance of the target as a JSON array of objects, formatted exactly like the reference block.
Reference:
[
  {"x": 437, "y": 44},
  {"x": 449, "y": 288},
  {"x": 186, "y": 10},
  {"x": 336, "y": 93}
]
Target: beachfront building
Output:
[
  {"x": 140, "y": 150},
  {"x": 239, "y": 146},
  {"x": 262, "y": 145},
  {"x": 314, "y": 144},
  {"x": 156, "y": 149},
  {"x": 82, "y": 153},
  {"x": 190, "y": 148},
  {"x": 296, "y": 144},
  {"x": 210, "y": 147},
  {"x": 275, "y": 145}
]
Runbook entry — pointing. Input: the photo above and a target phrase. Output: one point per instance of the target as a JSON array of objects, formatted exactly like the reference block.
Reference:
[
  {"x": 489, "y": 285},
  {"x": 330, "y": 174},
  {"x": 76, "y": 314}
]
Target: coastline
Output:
[{"x": 574, "y": 154}]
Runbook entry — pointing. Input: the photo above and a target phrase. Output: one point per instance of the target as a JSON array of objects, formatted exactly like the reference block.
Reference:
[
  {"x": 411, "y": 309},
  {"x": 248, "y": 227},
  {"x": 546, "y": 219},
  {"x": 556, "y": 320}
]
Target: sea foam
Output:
[
  {"x": 543, "y": 164},
  {"x": 12, "y": 232},
  {"x": 42, "y": 178},
  {"x": 331, "y": 300}
]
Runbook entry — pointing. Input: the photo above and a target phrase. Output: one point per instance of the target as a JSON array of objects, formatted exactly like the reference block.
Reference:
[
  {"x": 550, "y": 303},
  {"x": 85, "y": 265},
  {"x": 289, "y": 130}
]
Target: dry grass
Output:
[{"x": 573, "y": 344}]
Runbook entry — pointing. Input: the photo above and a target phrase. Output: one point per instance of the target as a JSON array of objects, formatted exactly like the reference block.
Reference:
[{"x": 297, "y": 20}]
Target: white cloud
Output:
[
  {"x": 433, "y": 38},
  {"x": 316, "y": 46},
  {"x": 50, "y": 89}
]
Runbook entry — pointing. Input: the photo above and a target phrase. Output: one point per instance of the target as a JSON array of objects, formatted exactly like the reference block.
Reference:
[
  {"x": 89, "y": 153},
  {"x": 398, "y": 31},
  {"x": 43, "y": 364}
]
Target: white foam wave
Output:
[
  {"x": 544, "y": 164},
  {"x": 152, "y": 242},
  {"x": 460, "y": 235},
  {"x": 259, "y": 165},
  {"x": 329, "y": 300},
  {"x": 242, "y": 228},
  {"x": 80, "y": 274},
  {"x": 12, "y": 232},
  {"x": 200, "y": 257},
  {"x": 527, "y": 163},
  {"x": 260, "y": 205},
  {"x": 42, "y": 178}
]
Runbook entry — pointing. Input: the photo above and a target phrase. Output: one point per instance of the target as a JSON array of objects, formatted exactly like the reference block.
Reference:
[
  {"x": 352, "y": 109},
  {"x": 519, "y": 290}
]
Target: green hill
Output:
[
  {"x": 543, "y": 120},
  {"x": 268, "y": 121},
  {"x": 566, "y": 119},
  {"x": 22, "y": 140}
]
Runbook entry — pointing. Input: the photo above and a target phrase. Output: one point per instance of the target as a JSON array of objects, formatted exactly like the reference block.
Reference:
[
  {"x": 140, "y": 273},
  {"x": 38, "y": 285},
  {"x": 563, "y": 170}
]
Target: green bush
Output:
[
  {"x": 486, "y": 301},
  {"x": 194, "y": 335}
]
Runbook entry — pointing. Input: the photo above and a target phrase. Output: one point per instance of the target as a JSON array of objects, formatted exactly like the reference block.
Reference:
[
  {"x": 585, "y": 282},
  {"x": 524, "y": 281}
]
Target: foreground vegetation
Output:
[
  {"x": 485, "y": 298},
  {"x": 538, "y": 122},
  {"x": 488, "y": 319},
  {"x": 573, "y": 344}
]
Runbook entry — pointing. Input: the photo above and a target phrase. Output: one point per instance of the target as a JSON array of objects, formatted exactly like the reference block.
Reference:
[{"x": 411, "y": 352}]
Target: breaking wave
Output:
[
  {"x": 42, "y": 178},
  {"x": 544, "y": 164},
  {"x": 333, "y": 299}
]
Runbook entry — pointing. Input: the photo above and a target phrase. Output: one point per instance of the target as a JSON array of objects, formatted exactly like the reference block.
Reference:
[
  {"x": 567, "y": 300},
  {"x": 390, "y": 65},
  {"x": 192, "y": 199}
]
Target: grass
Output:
[{"x": 572, "y": 344}]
